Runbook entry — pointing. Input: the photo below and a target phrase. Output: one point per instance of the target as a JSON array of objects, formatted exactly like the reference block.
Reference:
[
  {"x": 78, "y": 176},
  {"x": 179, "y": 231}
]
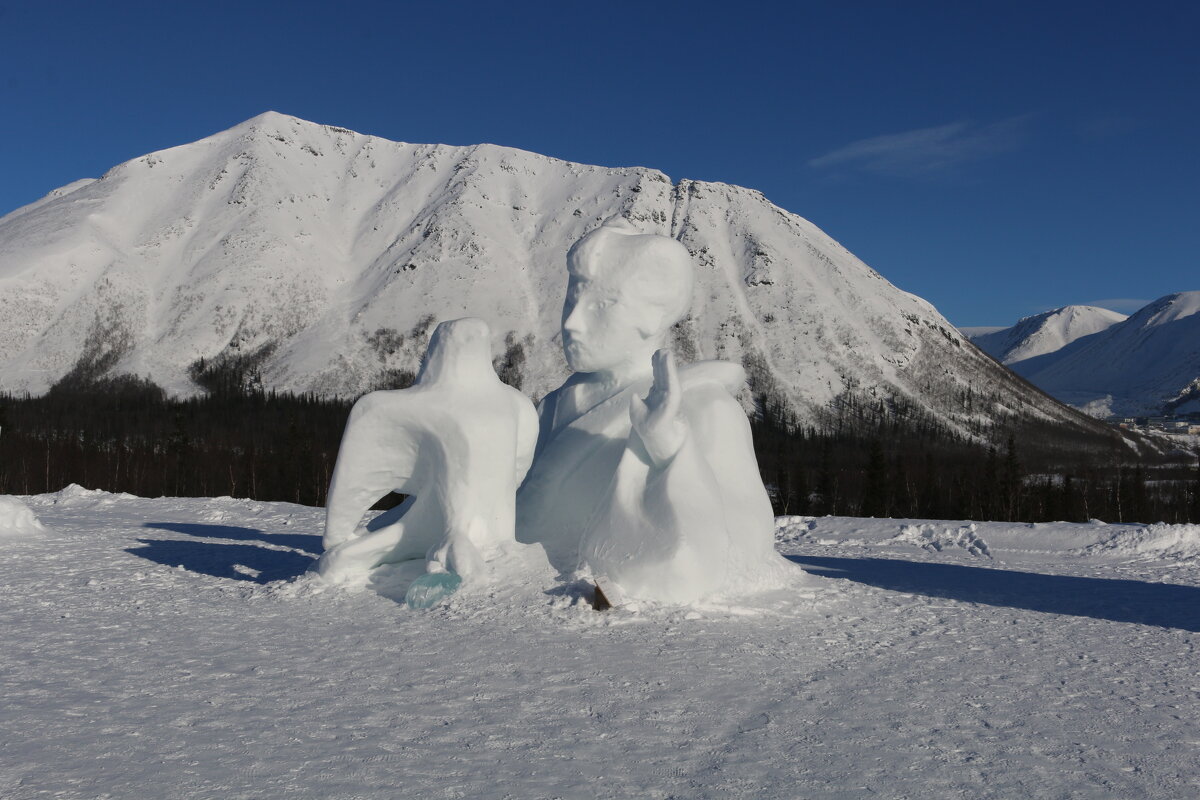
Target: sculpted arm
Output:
[{"x": 657, "y": 421}]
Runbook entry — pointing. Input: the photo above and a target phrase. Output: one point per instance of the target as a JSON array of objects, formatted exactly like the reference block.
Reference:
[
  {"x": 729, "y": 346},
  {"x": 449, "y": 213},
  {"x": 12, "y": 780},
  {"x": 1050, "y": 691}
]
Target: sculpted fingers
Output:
[
  {"x": 656, "y": 419},
  {"x": 671, "y": 389},
  {"x": 638, "y": 412}
]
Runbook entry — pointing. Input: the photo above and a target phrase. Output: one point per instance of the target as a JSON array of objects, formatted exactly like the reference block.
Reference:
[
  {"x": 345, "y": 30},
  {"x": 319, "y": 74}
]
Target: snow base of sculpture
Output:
[
  {"x": 431, "y": 588},
  {"x": 513, "y": 571}
]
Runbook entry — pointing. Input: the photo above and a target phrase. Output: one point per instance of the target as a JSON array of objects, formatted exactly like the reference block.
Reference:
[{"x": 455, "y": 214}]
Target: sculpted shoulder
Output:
[{"x": 724, "y": 374}]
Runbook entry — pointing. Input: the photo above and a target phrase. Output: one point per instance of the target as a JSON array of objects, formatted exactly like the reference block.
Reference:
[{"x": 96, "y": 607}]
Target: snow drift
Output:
[{"x": 17, "y": 519}]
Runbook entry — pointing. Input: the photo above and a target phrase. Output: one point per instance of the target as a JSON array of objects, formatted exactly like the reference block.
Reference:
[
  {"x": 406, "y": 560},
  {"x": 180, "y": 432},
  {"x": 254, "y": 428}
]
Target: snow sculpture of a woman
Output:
[{"x": 660, "y": 495}]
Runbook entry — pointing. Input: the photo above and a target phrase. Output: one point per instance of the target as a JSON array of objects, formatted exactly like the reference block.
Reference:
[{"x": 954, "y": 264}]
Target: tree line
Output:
[
  {"x": 877, "y": 465},
  {"x": 131, "y": 437},
  {"x": 861, "y": 458}
]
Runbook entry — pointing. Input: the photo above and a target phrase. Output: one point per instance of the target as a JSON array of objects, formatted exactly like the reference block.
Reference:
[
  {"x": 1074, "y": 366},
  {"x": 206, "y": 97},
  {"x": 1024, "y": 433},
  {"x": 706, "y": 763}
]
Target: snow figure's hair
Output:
[{"x": 656, "y": 270}]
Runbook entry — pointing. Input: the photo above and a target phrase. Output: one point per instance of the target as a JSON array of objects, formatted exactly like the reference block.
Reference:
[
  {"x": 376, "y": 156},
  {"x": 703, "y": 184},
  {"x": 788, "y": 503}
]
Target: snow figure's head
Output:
[
  {"x": 459, "y": 350},
  {"x": 626, "y": 290}
]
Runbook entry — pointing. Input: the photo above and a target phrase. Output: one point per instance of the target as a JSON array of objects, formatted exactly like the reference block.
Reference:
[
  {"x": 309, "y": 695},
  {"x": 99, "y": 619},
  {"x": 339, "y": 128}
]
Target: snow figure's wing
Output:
[
  {"x": 527, "y": 435},
  {"x": 380, "y": 449}
]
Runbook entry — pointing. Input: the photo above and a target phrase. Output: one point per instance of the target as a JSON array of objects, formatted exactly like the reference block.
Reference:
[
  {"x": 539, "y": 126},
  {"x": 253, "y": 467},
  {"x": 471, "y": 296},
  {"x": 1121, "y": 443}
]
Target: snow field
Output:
[{"x": 173, "y": 648}]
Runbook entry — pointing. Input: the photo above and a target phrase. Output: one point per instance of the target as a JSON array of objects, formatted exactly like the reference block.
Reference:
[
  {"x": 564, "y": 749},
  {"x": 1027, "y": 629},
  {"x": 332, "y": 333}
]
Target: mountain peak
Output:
[
  {"x": 319, "y": 259},
  {"x": 1169, "y": 308},
  {"x": 1139, "y": 365},
  {"x": 1047, "y": 332},
  {"x": 269, "y": 117}
]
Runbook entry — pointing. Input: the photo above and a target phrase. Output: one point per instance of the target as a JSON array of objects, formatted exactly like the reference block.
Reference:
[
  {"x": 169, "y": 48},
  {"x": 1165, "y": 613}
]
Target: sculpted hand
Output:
[{"x": 657, "y": 420}]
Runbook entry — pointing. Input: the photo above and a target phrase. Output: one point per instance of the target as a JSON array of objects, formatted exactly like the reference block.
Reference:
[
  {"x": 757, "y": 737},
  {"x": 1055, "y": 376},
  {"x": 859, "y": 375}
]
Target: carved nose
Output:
[{"x": 571, "y": 324}]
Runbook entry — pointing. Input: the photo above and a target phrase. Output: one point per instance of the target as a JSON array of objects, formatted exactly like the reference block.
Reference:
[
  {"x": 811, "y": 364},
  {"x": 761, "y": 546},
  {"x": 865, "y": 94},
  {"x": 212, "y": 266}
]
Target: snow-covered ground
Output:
[{"x": 172, "y": 648}]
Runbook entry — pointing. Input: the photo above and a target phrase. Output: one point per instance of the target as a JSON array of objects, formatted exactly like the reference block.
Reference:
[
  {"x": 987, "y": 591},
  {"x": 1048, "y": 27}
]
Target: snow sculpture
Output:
[
  {"x": 660, "y": 496},
  {"x": 17, "y": 519},
  {"x": 458, "y": 442}
]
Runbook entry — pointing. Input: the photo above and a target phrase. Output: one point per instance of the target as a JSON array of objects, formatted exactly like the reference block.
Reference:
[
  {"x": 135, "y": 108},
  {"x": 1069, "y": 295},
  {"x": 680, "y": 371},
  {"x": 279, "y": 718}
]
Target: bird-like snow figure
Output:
[{"x": 458, "y": 443}]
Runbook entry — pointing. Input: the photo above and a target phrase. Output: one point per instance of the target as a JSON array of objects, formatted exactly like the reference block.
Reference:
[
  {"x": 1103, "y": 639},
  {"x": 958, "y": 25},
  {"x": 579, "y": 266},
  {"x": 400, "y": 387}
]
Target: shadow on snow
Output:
[
  {"x": 1166, "y": 605},
  {"x": 309, "y": 543},
  {"x": 243, "y": 562}
]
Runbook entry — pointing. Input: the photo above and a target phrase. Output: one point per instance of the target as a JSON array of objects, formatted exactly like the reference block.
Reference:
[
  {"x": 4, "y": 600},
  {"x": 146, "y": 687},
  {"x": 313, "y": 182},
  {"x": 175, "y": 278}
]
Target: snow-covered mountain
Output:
[
  {"x": 324, "y": 256},
  {"x": 1146, "y": 364},
  {"x": 1045, "y": 333}
]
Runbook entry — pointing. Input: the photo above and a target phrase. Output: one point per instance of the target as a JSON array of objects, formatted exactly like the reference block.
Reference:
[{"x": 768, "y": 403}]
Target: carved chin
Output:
[
  {"x": 579, "y": 362},
  {"x": 580, "y": 359}
]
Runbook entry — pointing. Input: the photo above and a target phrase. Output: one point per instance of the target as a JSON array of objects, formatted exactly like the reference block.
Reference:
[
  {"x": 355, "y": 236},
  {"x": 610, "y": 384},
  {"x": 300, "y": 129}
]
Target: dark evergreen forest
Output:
[
  {"x": 866, "y": 462},
  {"x": 126, "y": 435}
]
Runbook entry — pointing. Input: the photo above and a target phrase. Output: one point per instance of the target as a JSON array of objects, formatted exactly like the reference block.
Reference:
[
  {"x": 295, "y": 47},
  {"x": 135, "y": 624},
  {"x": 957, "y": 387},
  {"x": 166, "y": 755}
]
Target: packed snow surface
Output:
[{"x": 174, "y": 648}]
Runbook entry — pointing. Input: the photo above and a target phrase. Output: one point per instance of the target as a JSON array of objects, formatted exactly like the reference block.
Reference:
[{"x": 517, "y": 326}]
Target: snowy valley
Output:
[{"x": 561, "y": 402}]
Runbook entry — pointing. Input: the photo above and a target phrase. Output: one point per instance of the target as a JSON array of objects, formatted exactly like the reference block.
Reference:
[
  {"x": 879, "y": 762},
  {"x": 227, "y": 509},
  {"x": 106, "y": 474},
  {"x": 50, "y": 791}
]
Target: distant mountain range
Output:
[
  {"x": 320, "y": 258},
  {"x": 1045, "y": 333},
  {"x": 1107, "y": 363}
]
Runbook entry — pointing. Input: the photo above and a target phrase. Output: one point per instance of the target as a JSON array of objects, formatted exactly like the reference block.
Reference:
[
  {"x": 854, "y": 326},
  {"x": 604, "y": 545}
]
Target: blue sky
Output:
[{"x": 998, "y": 159}]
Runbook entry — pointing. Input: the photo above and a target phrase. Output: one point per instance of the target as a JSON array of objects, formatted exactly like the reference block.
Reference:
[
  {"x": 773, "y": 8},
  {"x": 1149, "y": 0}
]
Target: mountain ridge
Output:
[
  {"x": 1046, "y": 332},
  {"x": 1146, "y": 364},
  {"x": 318, "y": 258}
]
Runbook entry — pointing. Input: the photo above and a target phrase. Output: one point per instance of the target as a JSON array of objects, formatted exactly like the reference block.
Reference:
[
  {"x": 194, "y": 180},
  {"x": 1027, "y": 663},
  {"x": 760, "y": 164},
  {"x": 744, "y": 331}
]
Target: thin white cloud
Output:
[
  {"x": 1109, "y": 127},
  {"x": 927, "y": 151},
  {"x": 1125, "y": 305}
]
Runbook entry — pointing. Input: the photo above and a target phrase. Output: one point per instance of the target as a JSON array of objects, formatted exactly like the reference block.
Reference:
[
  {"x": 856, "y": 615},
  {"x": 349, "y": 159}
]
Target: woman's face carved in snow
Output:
[
  {"x": 626, "y": 290},
  {"x": 602, "y": 326}
]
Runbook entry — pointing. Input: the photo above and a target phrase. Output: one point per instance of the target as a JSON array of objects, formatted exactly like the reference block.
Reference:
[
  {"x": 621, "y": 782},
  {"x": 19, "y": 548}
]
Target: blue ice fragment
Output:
[{"x": 431, "y": 588}]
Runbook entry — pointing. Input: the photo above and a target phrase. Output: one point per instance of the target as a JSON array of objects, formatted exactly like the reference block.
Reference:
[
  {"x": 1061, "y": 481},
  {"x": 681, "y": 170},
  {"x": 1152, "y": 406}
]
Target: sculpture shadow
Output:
[
  {"x": 309, "y": 543},
  {"x": 1164, "y": 605},
  {"x": 242, "y": 562}
]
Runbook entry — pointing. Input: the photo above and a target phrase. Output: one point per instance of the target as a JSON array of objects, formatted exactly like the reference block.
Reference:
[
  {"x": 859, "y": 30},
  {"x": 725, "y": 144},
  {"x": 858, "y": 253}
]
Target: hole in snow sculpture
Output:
[{"x": 458, "y": 442}]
